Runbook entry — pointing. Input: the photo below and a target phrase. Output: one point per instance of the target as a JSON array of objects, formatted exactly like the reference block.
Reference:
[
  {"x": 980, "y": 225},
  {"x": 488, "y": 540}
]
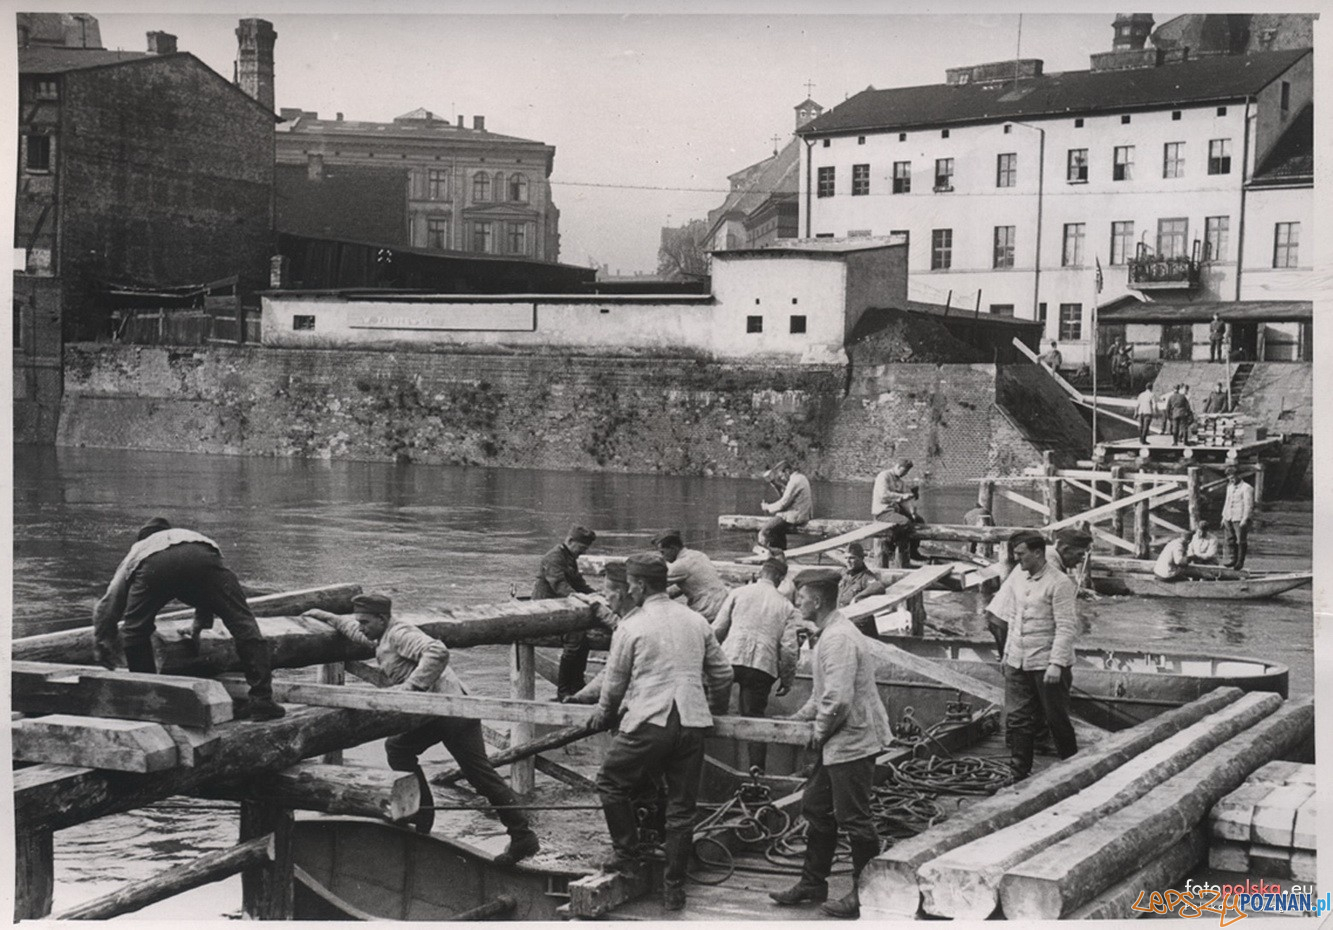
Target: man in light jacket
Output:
[
  {"x": 693, "y": 574},
  {"x": 1237, "y": 511},
  {"x": 851, "y": 730},
  {"x": 665, "y": 670},
  {"x": 1145, "y": 409},
  {"x": 792, "y": 509},
  {"x": 757, "y": 629}
]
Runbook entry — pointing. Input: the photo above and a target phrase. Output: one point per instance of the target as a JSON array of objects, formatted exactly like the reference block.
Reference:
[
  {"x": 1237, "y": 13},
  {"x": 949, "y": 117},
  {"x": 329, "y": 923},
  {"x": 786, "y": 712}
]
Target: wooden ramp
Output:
[
  {"x": 864, "y": 531},
  {"x": 912, "y": 585}
]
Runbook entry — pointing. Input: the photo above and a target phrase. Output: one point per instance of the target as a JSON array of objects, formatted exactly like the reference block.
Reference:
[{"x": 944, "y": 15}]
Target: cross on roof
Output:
[
  {"x": 809, "y": 88},
  {"x": 776, "y": 140}
]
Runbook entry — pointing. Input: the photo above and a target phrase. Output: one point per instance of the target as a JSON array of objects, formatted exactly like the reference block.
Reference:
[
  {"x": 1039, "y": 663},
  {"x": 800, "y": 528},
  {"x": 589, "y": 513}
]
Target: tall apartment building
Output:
[
  {"x": 419, "y": 181},
  {"x": 1016, "y": 183}
]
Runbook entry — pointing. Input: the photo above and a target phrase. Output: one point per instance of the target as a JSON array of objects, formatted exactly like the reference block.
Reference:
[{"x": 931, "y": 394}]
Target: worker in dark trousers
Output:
[
  {"x": 559, "y": 576},
  {"x": 168, "y": 564}
]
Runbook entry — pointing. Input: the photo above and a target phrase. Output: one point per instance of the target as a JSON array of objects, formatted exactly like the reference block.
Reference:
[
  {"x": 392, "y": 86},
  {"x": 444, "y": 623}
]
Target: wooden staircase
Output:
[{"x": 1239, "y": 377}]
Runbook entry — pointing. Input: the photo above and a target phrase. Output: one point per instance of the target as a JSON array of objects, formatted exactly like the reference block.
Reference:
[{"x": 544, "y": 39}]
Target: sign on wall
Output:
[{"x": 450, "y": 317}]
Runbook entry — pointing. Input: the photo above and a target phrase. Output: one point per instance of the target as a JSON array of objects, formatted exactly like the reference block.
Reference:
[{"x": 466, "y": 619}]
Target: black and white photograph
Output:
[{"x": 709, "y": 462}]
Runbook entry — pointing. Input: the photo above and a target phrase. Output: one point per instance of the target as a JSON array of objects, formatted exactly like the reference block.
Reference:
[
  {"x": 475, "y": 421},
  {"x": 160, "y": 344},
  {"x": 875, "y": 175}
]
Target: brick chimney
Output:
[
  {"x": 161, "y": 43},
  {"x": 254, "y": 59},
  {"x": 479, "y": 123}
]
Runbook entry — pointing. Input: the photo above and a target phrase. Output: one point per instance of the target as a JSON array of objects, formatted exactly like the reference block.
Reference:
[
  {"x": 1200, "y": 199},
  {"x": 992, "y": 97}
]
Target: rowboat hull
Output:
[
  {"x": 355, "y": 869},
  {"x": 1252, "y": 588}
]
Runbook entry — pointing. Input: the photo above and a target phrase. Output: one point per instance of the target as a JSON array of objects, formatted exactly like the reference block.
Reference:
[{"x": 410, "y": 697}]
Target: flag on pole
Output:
[{"x": 1099, "y": 273}]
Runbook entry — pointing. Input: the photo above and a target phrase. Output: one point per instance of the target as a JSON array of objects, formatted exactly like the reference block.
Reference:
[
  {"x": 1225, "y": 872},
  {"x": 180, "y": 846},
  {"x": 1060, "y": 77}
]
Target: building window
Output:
[
  {"x": 860, "y": 140},
  {"x": 1286, "y": 96},
  {"x": 518, "y": 239},
  {"x": 902, "y": 137},
  {"x": 1219, "y": 156},
  {"x": 1221, "y": 111},
  {"x": 1002, "y": 310},
  {"x": 1041, "y": 312},
  {"x": 437, "y": 184},
  {"x": 1008, "y": 128},
  {"x": 902, "y": 177},
  {"x": 481, "y": 187},
  {"x": 944, "y": 133},
  {"x": 303, "y": 321},
  {"x": 1077, "y": 166},
  {"x": 437, "y": 233},
  {"x": 1004, "y": 247},
  {"x": 944, "y": 174},
  {"x": 483, "y": 236},
  {"x": 1078, "y": 123},
  {"x": 1071, "y": 322},
  {"x": 1173, "y": 160},
  {"x": 1286, "y": 243},
  {"x": 860, "y": 180},
  {"x": 754, "y": 324},
  {"x": 826, "y": 143},
  {"x": 1172, "y": 235},
  {"x": 1072, "y": 255},
  {"x": 46, "y": 90},
  {"x": 798, "y": 324},
  {"x": 1175, "y": 114},
  {"x": 518, "y": 187},
  {"x": 826, "y": 178},
  {"x": 38, "y": 156},
  {"x": 1123, "y": 169},
  {"x": 1215, "y": 233},
  {"x": 1006, "y": 169},
  {"x": 1122, "y": 242},
  {"x": 1124, "y": 119},
  {"x": 941, "y": 249}
]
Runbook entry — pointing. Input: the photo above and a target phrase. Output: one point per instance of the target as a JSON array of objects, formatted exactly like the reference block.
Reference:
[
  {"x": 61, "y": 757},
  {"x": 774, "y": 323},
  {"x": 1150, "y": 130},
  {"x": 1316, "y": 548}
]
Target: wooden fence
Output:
[{"x": 187, "y": 327}]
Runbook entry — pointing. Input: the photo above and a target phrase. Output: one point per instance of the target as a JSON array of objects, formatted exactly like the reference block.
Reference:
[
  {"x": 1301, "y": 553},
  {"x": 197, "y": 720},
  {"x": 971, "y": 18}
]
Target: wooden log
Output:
[
  {"x": 986, "y": 501},
  {"x": 208, "y": 868},
  {"x": 193, "y": 746},
  {"x": 1053, "y": 491},
  {"x": 75, "y": 646},
  {"x": 1117, "y": 492},
  {"x": 34, "y": 872},
  {"x": 268, "y": 891},
  {"x": 328, "y": 789},
  {"x": 499, "y": 906},
  {"x": 1163, "y": 871},
  {"x": 332, "y": 673},
  {"x": 563, "y": 774},
  {"x": 1283, "y": 772},
  {"x": 431, "y": 704},
  {"x": 889, "y": 886},
  {"x": 545, "y": 743},
  {"x": 965, "y": 882},
  {"x": 95, "y": 742},
  {"x": 928, "y": 532},
  {"x": 523, "y": 686},
  {"x": 817, "y": 527},
  {"x": 1142, "y": 533},
  {"x": 1274, "y": 820},
  {"x": 594, "y": 895},
  {"x": 244, "y": 749},
  {"x": 1260, "y": 472},
  {"x": 1195, "y": 499},
  {"x": 92, "y": 691},
  {"x": 1230, "y": 817},
  {"x": 1065, "y": 876}
]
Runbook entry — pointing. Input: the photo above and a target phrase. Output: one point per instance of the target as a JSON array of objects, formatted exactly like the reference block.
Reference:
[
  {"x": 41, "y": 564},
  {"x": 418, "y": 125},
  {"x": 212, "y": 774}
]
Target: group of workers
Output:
[{"x": 1176, "y": 411}]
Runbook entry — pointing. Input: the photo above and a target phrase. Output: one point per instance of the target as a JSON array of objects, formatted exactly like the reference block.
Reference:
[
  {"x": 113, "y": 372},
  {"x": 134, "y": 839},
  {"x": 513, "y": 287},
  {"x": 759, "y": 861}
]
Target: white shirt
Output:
[
  {"x": 1147, "y": 404},
  {"x": 1171, "y": 561},
  {"x": 1239, "y": 505}
]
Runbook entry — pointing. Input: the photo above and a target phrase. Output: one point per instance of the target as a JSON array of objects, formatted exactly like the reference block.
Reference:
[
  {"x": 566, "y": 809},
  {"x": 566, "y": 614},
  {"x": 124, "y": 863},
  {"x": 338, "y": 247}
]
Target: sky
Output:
[{"x": 648, "y": 112}]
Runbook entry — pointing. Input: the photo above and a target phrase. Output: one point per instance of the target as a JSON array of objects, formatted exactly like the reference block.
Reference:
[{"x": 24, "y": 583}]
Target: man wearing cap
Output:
[
  {"x": 757, "y": 629},
  {"x": 892, "y": 501},
  {"x": 851, "y": 730},
  {"x": 858, "y": 582},
  {"x": 792, "y": 509},
  {"x": 618, "y": 600},
  {"x": 1038, "y": 652},
  {"x": 663, "y": 657},
  {"x": 1216, "y": 402},
  {"x": 1237, "y": 510},
  {"x": 166, "y": 564},
  {"x": 414, "y": 661},
  {"x": 559, "y": 576},
  {"x": 1072, "y": 547},
  {"x": 693, "y": 574}
]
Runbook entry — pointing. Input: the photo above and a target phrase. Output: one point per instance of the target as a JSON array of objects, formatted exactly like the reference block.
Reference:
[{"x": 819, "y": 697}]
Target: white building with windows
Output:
[{"x": 1017, "y": 184}]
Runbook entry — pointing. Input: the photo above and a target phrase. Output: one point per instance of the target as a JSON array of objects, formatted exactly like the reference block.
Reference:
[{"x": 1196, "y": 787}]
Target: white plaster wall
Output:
[
  {"x": 1264, "y": 210},
  {"x": 778, "y": 288}
]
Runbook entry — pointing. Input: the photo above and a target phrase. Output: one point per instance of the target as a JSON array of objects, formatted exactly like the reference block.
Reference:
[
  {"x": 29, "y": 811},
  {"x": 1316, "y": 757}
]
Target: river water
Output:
[{"x": 436, "y": 536}]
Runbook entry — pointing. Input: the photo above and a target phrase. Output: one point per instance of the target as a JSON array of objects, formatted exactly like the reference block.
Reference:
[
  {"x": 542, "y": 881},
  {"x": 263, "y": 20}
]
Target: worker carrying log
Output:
[
  {"x": 166, "y": 564},
  {"x": 415, "y": 661},
  {"x": 1037, "y": 649},
  {"x": 893, "y": 500},
  {"x": 620, "y": 606},
  {"x": 665, "y": 671},
  {"x": 692, "y": 574},
  {"x": 559, "y": 576},
  {"x": 793, "y": 508},
  {"x": 851, "y": 730}
]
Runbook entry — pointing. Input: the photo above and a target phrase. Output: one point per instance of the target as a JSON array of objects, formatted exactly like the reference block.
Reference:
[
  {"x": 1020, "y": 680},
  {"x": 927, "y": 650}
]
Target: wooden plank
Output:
[
  {"x": 916, "y": 582},
  {"x": 267, "y": 886},
  {"x": 1274, "y": 820},
  {"x": 92, "y": 691},
  {"x": 1065, "y": 876},
  {"x": 1119, "y": 515},
  {"x": 1304, "y": 829},
  {"x": 34, "y": 873},
  {"x": 1164, "y": 871},
  {"x": 1154, "y": 497},
  {"x": 544, "y": 743},
  {"x": 52, "y": 787},
  {"x": 208, "y": 868},
  {"x": 594, "y": 895},
  {"x": 865, "y": 531},
  {"x": 889, "y": 886},
  {"x": 193, "y": 746},
  {"x": 114, "y": 745},
  {"x": 767, "y": 729},
  {"x": 75, "y": 646},
  {"x": 561, "y": 773},
  {"x": 965, "y": 882},
  {"x": 328, "y": 789},
  {"x": 1015, "y": 498},
  {"x": 816, "y": 527},
  {"x": 1270, "y": 861},
  {"x": 1229, "y": 819},
  {"x": 1283, "y": 772},
  {"x": 522, "y": 685},
  {"x": 1303, "y": 865}
]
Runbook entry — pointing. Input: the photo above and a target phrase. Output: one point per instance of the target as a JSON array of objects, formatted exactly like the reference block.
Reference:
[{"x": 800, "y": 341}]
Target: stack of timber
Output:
[
  {"x": 1266, "y": 827},
  {"x": 1133, "y": 805}
]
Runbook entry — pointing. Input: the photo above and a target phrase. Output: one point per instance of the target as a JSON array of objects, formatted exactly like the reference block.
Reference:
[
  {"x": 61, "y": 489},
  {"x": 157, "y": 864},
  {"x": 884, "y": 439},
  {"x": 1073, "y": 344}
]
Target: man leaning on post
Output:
[{"x": 559, "y": 576}]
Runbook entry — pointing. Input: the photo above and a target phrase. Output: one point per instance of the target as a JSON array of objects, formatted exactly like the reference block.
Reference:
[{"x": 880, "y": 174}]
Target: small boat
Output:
[
  {"x": 350, "y": 868},
  {"x": 1254, "y": 587}
]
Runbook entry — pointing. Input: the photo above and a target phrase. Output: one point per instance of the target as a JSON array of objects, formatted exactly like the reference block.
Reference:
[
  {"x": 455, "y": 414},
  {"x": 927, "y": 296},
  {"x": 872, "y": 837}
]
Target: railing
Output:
[
  {"x": 184, "y": 327},
  {"x": 1148, "y": 273}
]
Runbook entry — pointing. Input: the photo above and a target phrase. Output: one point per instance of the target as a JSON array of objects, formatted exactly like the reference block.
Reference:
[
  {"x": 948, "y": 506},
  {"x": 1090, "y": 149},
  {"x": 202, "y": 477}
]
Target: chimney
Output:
[
  {"x": 460, "y": 122},
  {"x": 1131, "y": 31},
  {"x": 254, "y": 59},
  {"x": 479, "y": 123},
  {"x": 161, "y": 43},
  {"x": 340, "y": 117}
]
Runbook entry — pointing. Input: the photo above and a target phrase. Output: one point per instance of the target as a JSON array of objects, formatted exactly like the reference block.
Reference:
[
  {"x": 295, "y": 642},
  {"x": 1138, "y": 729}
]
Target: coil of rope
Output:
[{"x": 966, "y": 775}]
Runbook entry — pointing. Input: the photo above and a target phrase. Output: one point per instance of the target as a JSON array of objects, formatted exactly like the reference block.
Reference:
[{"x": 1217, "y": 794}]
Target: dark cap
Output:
[
  {"x": 1232, "y": 471},
  {"x": 647, "y": 565},
  {"x": 379, "y": 604},
  {"x": 857, "y": 550},
  {"x": 1073, "y": 536},
  {"x": 905, "y": 464},
  {"x": 615, "y": 573},
  {"x": 155, "y": 525},
  {"x": 668, "y": 538},
  {"x": 581, "y": 534}
]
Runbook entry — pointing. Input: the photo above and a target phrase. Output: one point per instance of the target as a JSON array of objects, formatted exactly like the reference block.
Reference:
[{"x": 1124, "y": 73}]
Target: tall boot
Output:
[
  {"x": 820, "y": 848},
  {"x": 678, "y": 846},
  {"x": 139, "y": 657},
  {"x": 624, "y": 829},
  {"x": 424, "y": 819},
  {"x": 257, "y": 658},
  {"x": 848, "y": 907},
  {"x": 1020, "y": 753}
]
